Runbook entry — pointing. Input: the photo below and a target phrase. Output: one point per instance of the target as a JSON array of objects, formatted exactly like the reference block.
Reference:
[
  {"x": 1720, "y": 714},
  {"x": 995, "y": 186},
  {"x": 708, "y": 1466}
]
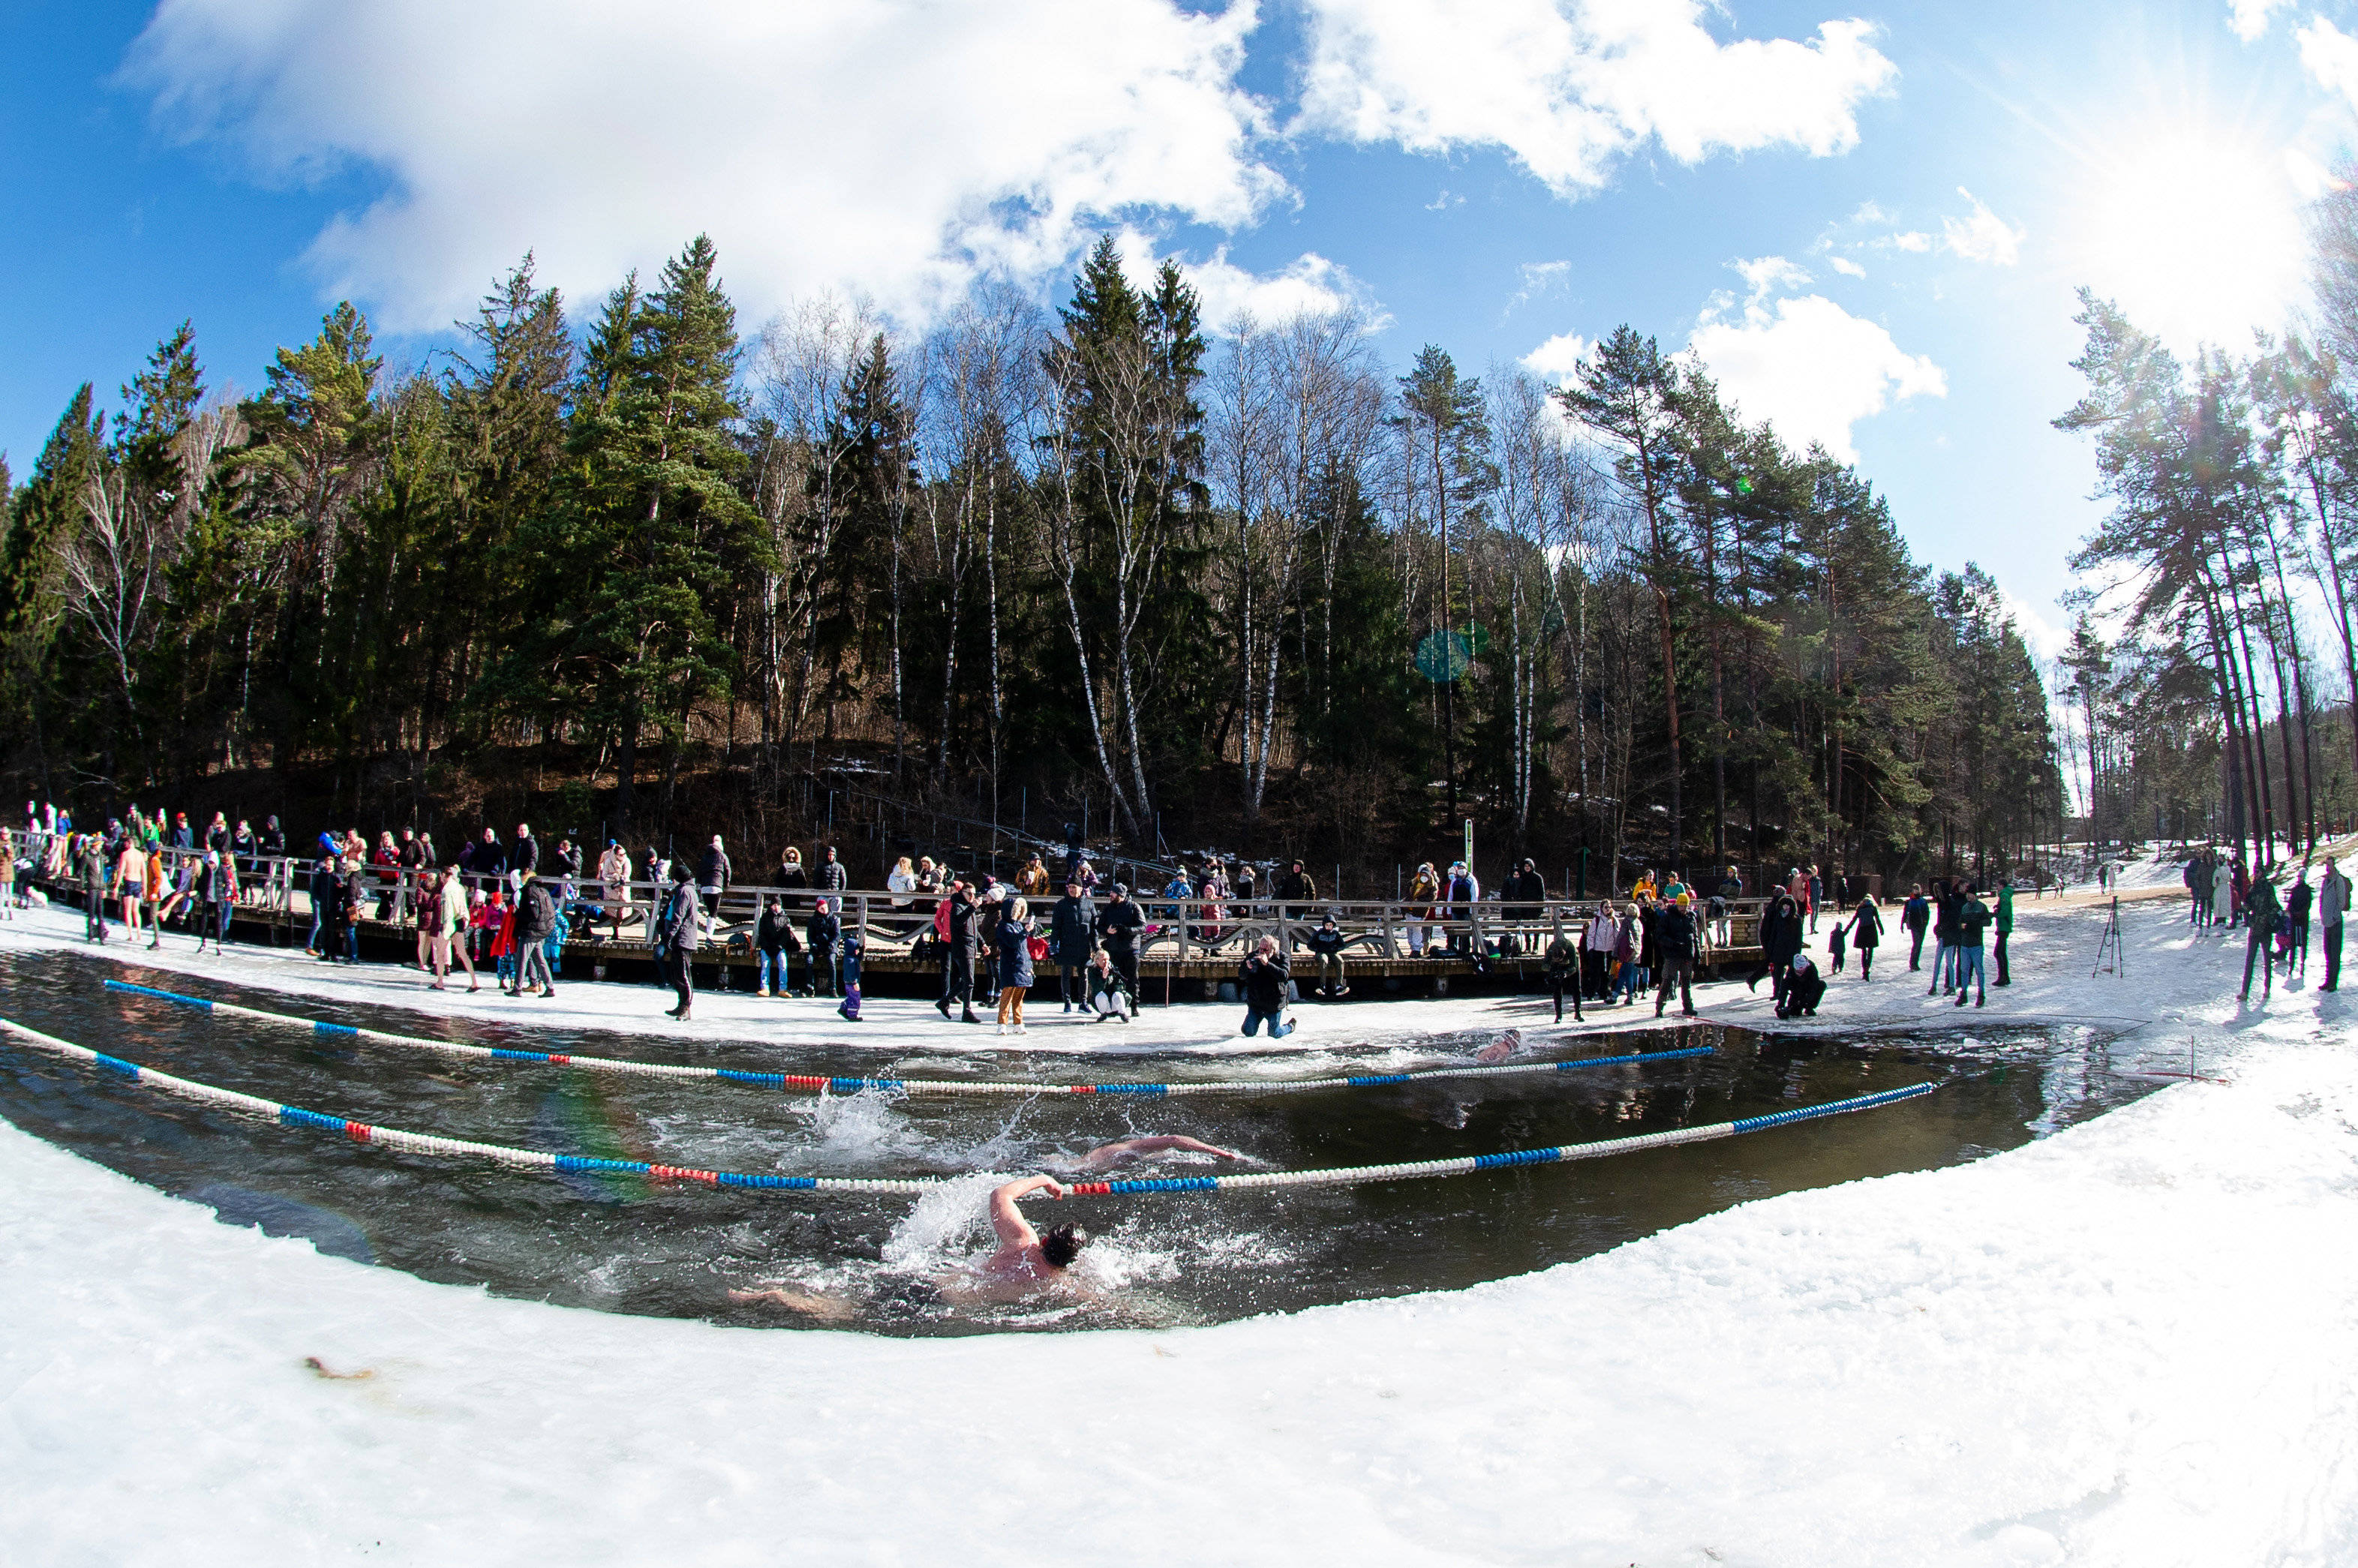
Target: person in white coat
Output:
[{"x": 2223, "y": 893}]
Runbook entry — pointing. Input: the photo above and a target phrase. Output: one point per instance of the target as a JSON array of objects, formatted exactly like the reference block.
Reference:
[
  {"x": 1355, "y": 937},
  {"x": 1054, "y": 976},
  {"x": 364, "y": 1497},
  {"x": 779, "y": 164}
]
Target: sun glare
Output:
[{"x": 2197, "y": 232}]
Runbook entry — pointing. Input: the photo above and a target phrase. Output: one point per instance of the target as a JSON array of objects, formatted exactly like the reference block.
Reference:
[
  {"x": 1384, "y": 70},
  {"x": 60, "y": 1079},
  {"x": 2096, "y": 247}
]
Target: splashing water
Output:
[{"x": 946, "y": 1224}]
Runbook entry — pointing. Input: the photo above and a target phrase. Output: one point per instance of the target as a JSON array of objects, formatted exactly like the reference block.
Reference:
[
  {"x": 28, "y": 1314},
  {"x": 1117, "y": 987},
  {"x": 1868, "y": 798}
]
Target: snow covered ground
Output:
[{"x": 2131, "y": 1343}]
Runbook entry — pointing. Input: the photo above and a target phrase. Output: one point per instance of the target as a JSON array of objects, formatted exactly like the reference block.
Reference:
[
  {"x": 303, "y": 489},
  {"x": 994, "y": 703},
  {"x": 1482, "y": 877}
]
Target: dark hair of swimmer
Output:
[{"x": 1060, "y": 1244}]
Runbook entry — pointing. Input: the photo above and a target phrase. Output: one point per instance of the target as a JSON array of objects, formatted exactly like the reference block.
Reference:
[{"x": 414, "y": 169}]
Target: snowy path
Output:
[{"x": 2132, "y": 1343}]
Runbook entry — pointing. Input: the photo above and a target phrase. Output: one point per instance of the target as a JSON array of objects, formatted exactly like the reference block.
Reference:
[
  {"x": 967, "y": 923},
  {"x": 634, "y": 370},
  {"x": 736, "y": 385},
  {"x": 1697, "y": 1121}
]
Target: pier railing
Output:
[{"x": 1197, "y": 934}]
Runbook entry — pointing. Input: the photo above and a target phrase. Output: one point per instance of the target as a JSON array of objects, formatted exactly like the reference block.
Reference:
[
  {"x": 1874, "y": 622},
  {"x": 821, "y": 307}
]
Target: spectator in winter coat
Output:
[
  {"x": 1262, "y": 980},
  {"x": 2262, "y": 910},
  {"x": 833, "y": 876},
  {"x": 1326, "y": 941},
  {"x": 1867, "y": 934},
  {"x": 1296, "y": 888},
  {"x": 1967, "y": 922},
  {"x": 712, "y": 870},
  {"x": 1110, "y": 992},
  {"x": 1598, "y": 939},
  {"x": 1423, "y": 904},
  {"x": 486, "y": 862},
  {"x": 1072, "y": 937},
  {"x": 524, "y": 856},
  {"x": 1780, "y": 939},
  {"x": 1014, "y": 942},
  {"x": 2332, "y": 905},
  {"x": 793, "y": 876},
  {"x": 962, "y": 934},
  {"x": 1118, "y": 925},
  {"x": 1564, "y": 969},
  {"x": 679, "y": 921},
  {"x": 1674, "y": 939},
  {"x": 1804, "y": 986},
  {"x": 1522, "y": 898},
  {"x": 824, "y": 935},
  {"x": 2298, "y": 899},
  {"x": 535, "y": 924},
  {"x": 773, "y": 937},
  {"x": 2003, "y": 927},
  {"x": 1914, "y": 915},
  {"x": 1031, "y": 881}
]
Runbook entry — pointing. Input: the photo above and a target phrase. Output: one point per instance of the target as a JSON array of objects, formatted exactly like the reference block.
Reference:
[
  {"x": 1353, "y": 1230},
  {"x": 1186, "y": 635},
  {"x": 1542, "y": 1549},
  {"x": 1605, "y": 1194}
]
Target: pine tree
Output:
[{"x": 636, "y": 552}]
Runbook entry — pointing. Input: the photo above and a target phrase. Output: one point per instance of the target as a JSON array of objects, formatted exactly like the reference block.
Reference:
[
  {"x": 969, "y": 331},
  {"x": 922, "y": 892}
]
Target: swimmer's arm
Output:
[{"x": 1007, "y": 1220}]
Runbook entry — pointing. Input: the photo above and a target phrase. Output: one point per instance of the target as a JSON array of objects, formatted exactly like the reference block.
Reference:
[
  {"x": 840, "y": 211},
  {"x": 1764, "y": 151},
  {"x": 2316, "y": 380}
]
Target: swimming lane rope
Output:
[
  {"x": 1348, "y": 1175},
  {"x": 811, "y": 1083}
]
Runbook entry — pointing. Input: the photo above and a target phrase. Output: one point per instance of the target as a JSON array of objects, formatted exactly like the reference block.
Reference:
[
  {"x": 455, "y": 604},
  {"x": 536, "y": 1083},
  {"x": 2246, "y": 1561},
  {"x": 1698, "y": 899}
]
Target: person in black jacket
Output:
[
  {"x": 824, "y": 938},
  {"x": 1326, "y": 941},
  {"x": 535, "y": 923},
  {"x": 958, "y": 954},
  {"x": 833, "y": 875},
  {"x": 773, "y": 938},
  {"x": 793, "y": 876},
  {"x": 712, "y": 870},
  {"x": 1262, "y": 980},
  {"x": 678, "y": 923},
  {"x": 524, "y": 855},
  {"x": 1118, "y": 927},
  {"x": 1674, "y": 941},
  {"x": 1072, "y": 937},
  {"x": 485, "y": 861},
  {"x": 328, "y": 905},
  {"x": 1780, "y": 938},
  {"x": 1522, "y": 898}
]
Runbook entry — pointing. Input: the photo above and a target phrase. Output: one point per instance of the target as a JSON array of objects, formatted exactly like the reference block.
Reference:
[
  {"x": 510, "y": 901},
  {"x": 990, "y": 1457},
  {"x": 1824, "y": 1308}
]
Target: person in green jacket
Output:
[
  {"x": 2005, "y": 928},
  {"x": 2262, "y": 910}
]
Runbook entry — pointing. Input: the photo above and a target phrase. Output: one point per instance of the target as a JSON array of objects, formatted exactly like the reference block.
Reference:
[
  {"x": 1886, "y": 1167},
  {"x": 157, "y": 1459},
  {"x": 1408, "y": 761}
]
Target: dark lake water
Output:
[{"x": 624, "y": 1244}]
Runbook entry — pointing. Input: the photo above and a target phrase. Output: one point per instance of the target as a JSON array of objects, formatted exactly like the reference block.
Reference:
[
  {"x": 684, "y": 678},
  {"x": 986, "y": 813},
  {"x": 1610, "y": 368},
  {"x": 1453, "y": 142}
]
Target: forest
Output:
[{"x": 641, "y": 570}]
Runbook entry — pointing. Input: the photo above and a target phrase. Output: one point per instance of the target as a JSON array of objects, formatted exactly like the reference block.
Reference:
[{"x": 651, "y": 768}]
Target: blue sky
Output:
[{"x": 1782, "y": 185}]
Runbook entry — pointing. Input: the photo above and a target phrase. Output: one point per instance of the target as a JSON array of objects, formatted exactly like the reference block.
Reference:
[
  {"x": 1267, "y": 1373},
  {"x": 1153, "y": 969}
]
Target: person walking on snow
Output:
[
  {"x": 1913, "y": 917},
  {"x": 2261, "y": 912},
  {"x": 2005, "y": 928},
  {"x": 1867, "y": 934},
  {"x": 2223, "y": 890}
]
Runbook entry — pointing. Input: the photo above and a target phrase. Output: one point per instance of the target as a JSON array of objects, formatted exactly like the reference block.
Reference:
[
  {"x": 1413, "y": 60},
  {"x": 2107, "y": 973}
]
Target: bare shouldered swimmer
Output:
[
  {"x": 1109, "y": 1156},
  {"x": 1028, "y": 1262}
]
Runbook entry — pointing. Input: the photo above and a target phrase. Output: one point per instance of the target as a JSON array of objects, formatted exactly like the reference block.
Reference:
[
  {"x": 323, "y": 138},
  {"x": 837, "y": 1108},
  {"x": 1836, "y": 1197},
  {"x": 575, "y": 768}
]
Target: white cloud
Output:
[
  {"x": 1558, "y": 359},
  {"x": 1309, "y": 285},
  {"x": 1569, "y": 86},
  {"x": 2330, "y": 57},
  {"x": 1540, "y": 278},
  {"x": 2249, "y": 18},
  {"x": 1846, "y": 266},
  {"x": 2044, "y": 637},
  {"x": 1765, "y": 275},
  {"x": 1914, "y": 240},
  {"x": 895, "y": 146},
  {"x": 1985, "y": 236},
  {"x": 1809, "y": 367}
]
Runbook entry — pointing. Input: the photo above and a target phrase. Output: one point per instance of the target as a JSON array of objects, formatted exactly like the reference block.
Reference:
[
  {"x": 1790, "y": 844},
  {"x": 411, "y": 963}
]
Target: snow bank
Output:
[{"x": 2129, "y": 1343}]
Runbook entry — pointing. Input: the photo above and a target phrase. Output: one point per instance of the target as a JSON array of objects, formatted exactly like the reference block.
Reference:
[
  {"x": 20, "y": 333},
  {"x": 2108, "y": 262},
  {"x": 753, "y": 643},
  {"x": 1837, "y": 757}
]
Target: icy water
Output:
[{"x": 624, "y": 1244}]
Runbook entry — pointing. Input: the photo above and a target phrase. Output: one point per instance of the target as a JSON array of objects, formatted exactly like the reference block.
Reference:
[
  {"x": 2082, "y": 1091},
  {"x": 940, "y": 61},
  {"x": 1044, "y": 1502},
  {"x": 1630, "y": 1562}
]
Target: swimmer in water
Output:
[
  {"x": 1504, "y": 1046},
  {"x": 1107, "y": 1156},
  {"x": 1028, "y": 1262}
]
